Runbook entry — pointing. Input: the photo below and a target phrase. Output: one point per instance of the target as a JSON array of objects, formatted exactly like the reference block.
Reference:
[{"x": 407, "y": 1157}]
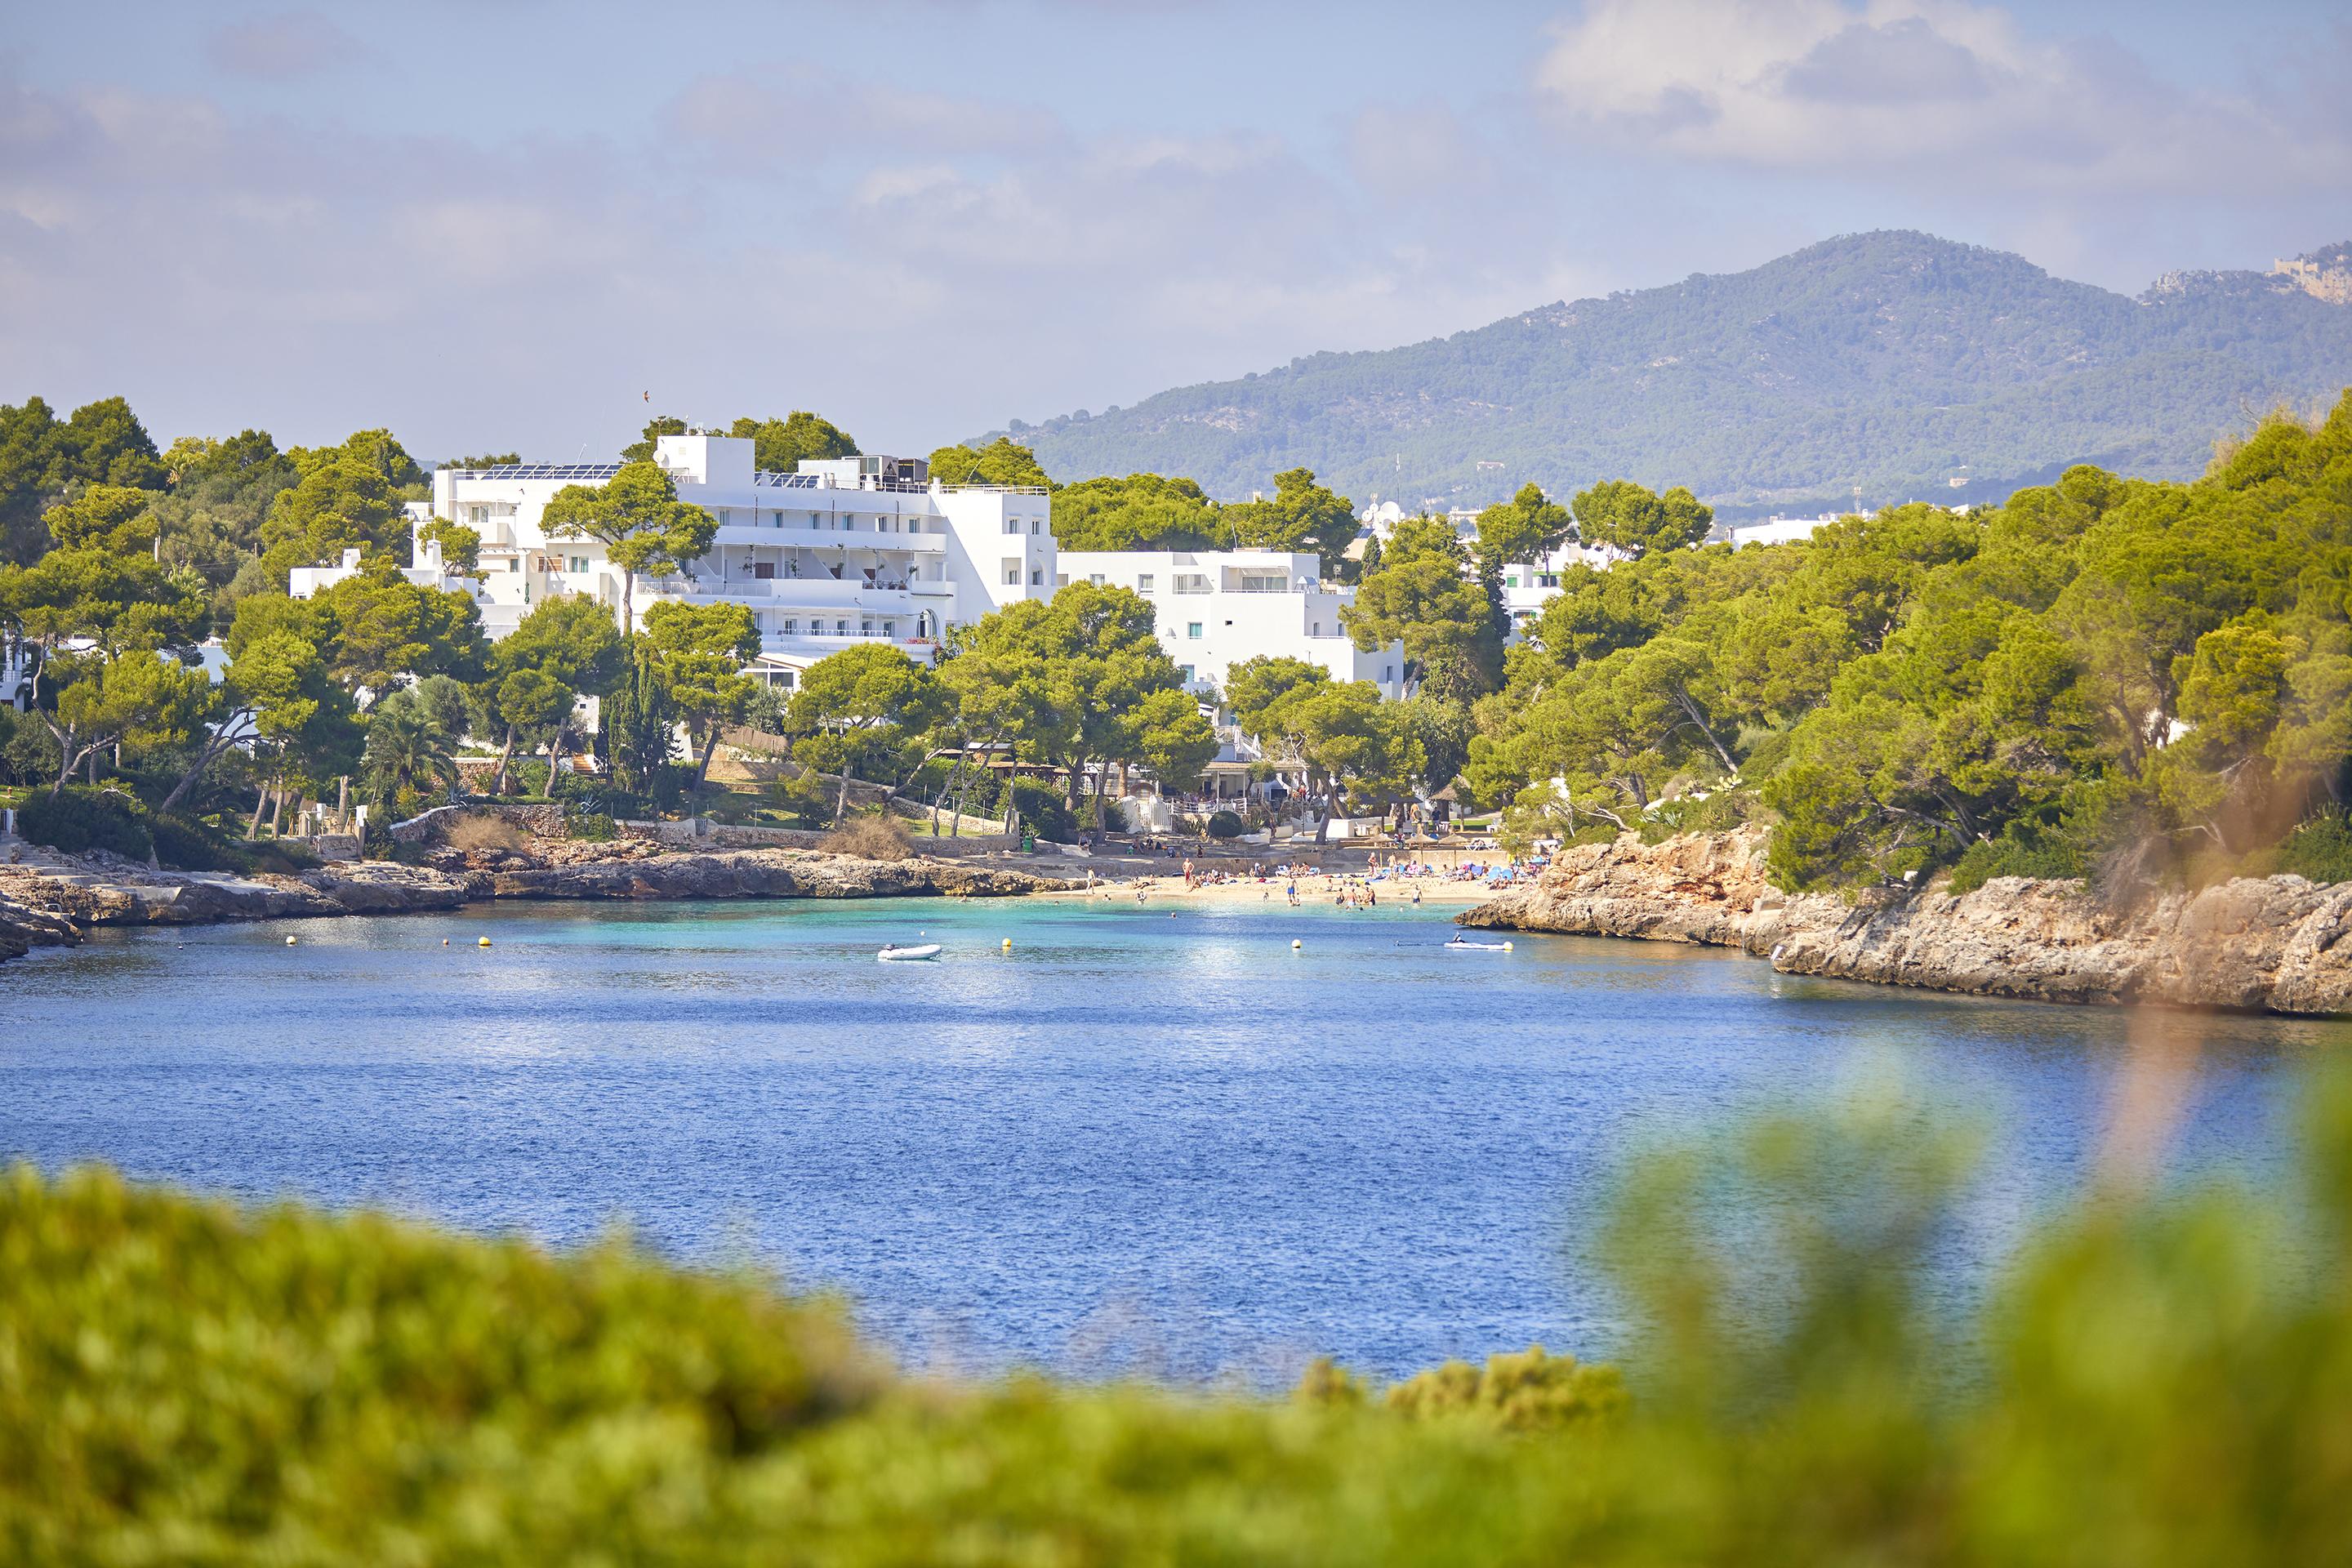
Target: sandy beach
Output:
[{"x": 1315, "y": 889}]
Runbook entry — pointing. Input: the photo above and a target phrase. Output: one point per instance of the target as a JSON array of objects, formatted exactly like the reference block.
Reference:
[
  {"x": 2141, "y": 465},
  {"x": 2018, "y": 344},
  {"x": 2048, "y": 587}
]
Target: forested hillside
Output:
[
  {"x": 1894, "y": 362},
  {"x": 2109, "y": 677}
]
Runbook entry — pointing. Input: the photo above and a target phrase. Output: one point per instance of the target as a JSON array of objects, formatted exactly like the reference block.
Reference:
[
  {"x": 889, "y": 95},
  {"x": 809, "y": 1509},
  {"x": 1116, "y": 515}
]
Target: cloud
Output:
[
  {"x": 286, "y": 47},
  {"x": 795, "y": 116},
  {"x": 1911, "y": 89},
  {"x": 225, "y": 266}
]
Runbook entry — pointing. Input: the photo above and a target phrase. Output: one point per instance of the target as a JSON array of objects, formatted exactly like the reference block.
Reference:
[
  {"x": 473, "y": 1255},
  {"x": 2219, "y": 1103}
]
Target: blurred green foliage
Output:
[{"x": 2151, "y": 1382}]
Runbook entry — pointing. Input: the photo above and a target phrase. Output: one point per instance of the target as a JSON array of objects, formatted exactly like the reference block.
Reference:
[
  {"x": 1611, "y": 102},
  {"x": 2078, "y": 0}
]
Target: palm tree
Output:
[{"x": 406, "y": 749}]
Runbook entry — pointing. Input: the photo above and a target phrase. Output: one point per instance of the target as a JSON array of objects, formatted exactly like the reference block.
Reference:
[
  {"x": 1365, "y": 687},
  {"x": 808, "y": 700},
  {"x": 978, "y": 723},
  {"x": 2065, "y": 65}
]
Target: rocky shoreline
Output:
[
  {"x": 49, "y": 899},
  {"x": 2273, "y": 944}
]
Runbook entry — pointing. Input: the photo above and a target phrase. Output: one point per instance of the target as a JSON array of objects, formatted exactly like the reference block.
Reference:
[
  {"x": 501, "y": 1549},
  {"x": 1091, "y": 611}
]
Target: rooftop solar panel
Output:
[{"x": 582, "y": 471}]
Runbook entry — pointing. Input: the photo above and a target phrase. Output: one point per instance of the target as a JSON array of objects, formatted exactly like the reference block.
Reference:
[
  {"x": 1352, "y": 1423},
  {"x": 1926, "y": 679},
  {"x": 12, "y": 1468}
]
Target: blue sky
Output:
[{"x": 499, "y": 225}]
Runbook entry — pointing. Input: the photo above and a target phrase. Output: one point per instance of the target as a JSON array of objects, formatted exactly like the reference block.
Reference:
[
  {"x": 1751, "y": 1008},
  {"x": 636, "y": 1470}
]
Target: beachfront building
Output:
[
  {"x": 1214, "y": 608},
  {"x": 845, "y": 549}
]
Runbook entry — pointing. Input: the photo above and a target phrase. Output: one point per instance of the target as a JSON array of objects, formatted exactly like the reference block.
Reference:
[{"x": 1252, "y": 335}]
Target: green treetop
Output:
[
  {"x": 638, "y": 519},
  {"x": 1141, "y": 511},
  {"x": 866, "y": 710},
  {"x": 779, "y": 445},
  {"x": 1301, "y": 515},
  {"x": 1632, "y": 518},
  {"x": 701, "y": 651},
  {"x": 1527, "y": 526},
  {"x": 1450, "y": 625},
  {"x": 998, "y": 463}
]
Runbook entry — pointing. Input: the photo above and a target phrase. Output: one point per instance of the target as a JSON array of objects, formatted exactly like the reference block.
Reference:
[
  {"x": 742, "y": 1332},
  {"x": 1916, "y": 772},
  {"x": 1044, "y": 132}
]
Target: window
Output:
[
  {"x": 579, "y": 563},
  {"x": 840, "y": 628},
  {"x": 1143, "y": 582},
  {"x": 1315, "y": 630},
  {"x": 1388, "y": 673},
  {"x": 790, "y": 626},
  {"x": 1012, "y": 574},
  {"x": 762, "y": 569},
  {"x": 1192, "y": 628},
  {"x": 514, "y": 564},
  {"x": 787, "y": 679},
  {"x": 1095, "y": 578},
  {"x": 1033, "y": 525},
  {"x": 889, "y": 629},
  {"x": 1036, "y": 576},
  {"x": 1187, "y": 673},
  {"x": 1011, "y": 525}
]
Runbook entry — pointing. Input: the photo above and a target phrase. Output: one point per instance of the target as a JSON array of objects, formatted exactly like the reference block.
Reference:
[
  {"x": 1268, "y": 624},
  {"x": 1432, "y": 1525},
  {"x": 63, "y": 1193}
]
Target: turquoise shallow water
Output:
[{"x": 1135, "y": 1142}]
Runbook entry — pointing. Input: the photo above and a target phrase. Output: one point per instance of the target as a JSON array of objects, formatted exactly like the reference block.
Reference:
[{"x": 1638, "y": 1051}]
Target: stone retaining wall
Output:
[{"x": 544, "y": 821}]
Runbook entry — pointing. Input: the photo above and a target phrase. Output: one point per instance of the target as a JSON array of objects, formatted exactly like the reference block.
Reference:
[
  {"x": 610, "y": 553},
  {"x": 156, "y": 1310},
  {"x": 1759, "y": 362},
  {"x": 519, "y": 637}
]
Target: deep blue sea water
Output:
[{"x": 1133, "y": 1142}]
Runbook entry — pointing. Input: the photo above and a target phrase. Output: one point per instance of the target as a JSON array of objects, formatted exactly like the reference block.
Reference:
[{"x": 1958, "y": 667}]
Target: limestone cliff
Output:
[{"x": 2276, "y": 943}]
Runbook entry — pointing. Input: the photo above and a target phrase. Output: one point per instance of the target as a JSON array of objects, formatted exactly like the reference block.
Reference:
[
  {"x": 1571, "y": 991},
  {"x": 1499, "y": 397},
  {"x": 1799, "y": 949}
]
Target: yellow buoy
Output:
[
  {"x": 1506, "y": 947},
  {"x": 445, "y": 941},
  {"x": 485, "y": 941},
  {"x": 1008, "y": 944},
  {"x": 289, "y": 941},
  {"x": 1295, "y": 943}
]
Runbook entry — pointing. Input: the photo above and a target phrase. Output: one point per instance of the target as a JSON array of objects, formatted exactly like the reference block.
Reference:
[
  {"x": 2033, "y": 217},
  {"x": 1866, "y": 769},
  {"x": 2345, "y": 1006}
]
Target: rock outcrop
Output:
[
  {"x": 2273, "y": 943},
  {"x": 55, "y": 899},
  {"x": 639, "y": 871}
]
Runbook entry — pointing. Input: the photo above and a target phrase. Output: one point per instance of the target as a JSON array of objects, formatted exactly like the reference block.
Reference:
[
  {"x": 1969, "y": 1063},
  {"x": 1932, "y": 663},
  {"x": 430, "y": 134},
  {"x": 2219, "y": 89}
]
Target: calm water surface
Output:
[{"x": 1134, "y": 1142}]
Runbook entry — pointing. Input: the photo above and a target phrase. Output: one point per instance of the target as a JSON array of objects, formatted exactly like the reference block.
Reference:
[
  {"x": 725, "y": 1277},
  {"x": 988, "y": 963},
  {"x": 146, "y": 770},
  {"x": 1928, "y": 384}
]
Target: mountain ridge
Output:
[{"x": 1893, "y": 361}]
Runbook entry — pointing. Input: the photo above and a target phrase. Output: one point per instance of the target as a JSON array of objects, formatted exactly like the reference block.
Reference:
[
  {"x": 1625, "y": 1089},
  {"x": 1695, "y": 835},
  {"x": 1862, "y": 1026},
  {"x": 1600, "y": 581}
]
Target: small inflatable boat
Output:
[
  {"x": 892, "y": 955},
  {"x": 1459, "y": 945}
]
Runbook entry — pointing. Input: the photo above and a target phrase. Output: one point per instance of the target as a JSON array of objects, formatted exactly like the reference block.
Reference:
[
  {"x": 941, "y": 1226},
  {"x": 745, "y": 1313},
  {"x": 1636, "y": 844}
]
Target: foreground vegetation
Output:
[{"x": 2154, "y": 1382}]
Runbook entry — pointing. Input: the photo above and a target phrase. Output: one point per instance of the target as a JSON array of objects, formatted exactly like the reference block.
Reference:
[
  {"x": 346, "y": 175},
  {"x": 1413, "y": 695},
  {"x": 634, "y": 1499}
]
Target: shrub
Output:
[
  {"x": 1043, "y": 812},
  {"x": 30, "y": 755},
  {"x": 182, "y": 845},
  {"x": 594, "y": 827},
  {"x": 2319, "y": 850},
  {"x": 801, "y": 795},
  {"x": 2160, "y": 1382},
  {"x": 2014, "y": 854},
  {"x": 278, "y": 857},
  {"x": 1226, "y": 825},
  {"x": 728, "y": 807},
  {"x": 1521, "y": 1392},
  {"x": 870, "y": 838},
  {"x": 81, "y": 820}
]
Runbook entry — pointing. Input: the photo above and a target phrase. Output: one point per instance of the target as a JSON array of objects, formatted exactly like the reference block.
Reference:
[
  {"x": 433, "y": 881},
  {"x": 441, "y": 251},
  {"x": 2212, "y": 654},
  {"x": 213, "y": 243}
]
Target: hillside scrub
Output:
[
  {"x": 2120, "y": 678},
  {"x": 2151, "y": 1382}
]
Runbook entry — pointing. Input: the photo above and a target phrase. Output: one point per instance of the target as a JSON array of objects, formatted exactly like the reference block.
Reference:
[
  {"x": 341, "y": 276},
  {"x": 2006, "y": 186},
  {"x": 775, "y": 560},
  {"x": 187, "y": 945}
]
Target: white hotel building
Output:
[
  {"x": 853, "y": 549},
  {"x": 846, "y": 550},
  {"x": 1214, "y": 609}
]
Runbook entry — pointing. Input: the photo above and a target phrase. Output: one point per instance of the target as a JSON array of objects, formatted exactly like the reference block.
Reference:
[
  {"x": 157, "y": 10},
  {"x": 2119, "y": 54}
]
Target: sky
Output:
[{"x": 514, "y": 225}]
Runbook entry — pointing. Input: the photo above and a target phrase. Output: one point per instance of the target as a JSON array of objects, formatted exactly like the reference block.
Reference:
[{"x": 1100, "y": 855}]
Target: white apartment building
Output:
[
  {"x": 1527, "y": 585},
  {"x": 845, "y": 549},
  {"x": 1215, "y": 608}
]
